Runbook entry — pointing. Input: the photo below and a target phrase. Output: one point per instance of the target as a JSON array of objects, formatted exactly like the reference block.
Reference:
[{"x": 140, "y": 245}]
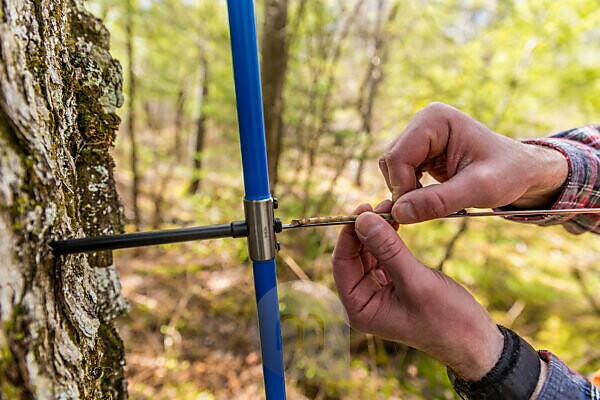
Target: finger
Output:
[
  {"x": 402, "y": 178},
  {"x": 383, "y": 165},
  {"x": 425, "y": 137},
  {"x": 384, "y": 171},
  {"x": 348, "y": 268},
  {"x": 349, "y": 229},
  {"x": 360, "y": 295},
  {"x": 387, "y": 247},
  {"x": 355, "y": 296},
  {"x": 435, "y": 201},
  {"x": 386, "y": 207},
  {"x": 406, "y": 156},
  {"x": 369, "y": 261}
]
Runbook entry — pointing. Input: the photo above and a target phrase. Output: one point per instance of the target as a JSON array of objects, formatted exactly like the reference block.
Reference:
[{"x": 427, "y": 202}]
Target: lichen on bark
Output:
[{"x": 59, "y": 92}]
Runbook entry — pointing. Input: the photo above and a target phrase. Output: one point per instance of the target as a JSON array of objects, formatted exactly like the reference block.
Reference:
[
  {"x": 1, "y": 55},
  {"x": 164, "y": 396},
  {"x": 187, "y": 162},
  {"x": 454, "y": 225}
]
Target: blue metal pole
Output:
[{"x": 256, "y": 182}]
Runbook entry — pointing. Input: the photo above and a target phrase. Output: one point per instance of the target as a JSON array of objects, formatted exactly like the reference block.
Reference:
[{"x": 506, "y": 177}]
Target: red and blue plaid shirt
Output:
[{"x": 581, "y": 148}]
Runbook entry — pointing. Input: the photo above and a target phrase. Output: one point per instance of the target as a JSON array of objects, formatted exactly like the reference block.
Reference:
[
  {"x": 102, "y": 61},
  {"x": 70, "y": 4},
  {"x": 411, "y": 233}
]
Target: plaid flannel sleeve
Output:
[
  {"x": 581, "y": 148},
  {"x": 563, "y": 384}
]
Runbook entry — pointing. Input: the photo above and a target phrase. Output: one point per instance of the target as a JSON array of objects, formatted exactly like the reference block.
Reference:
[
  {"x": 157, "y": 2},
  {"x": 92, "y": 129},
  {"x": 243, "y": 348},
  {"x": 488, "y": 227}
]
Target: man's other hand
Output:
[
  {"x": 476, "y": 167},
  {"x": 387, "y": 292}
]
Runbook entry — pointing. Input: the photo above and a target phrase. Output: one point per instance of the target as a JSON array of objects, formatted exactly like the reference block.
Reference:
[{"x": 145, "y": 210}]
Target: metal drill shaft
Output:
[
  {"x": 350, "y": 219},
  {"x": 139, "y": 239},
  {"x": 238, "y": 229},
  {"x": 235, "y": 229}
]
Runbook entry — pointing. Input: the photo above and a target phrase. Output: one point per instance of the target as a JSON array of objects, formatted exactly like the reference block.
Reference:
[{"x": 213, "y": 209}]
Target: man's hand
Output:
[
  {"x": 388, "y": 292},
  {"x": 477, "y": 167}
]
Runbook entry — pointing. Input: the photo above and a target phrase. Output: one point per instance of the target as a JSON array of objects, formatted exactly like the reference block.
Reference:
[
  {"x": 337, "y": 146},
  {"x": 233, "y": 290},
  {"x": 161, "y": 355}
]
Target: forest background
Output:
[{"x": 340, "y": 80}]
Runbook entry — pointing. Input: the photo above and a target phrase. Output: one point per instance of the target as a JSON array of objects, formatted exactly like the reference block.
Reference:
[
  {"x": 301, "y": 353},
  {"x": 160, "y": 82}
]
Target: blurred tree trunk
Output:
[
  {"x": 372, "y": 81},
  {"x": 59, "y": 90},
  {"x": 131, "y": 116},
  {"x": 179, "y": 121},
  {"x": 200, "y": 126},
  {"x": 161, "y": 191},
  {"x": 274, "y": 51},
  {"x": 328, "y": 72}
]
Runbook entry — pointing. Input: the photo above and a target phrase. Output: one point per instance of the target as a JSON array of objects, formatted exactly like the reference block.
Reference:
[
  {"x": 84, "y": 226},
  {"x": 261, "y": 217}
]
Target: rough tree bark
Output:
[
  {"x": 59, "y": 89},
  {"x": 274, "y": 51}
]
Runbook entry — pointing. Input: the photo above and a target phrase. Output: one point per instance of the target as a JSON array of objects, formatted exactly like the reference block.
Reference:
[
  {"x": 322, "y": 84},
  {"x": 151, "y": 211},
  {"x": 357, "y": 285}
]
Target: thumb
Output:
[
  {"x": 435, "y": 201},
  {"x": 382, "y": 241}
]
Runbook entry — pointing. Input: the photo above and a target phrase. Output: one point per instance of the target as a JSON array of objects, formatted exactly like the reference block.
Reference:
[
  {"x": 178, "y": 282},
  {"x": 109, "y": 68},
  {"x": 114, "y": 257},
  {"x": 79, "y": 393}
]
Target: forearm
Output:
[{"x": 521, "y": 373}]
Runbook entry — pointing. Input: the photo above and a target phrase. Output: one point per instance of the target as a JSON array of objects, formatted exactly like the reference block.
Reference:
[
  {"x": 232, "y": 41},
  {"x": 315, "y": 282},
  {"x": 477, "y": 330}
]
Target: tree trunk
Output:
[
  {"x": 372, "y": 82},
  {"x": 179, "y": 121},
  {"x": 131, "y": 114},
  {"x": 274, "y": 64},
  {"x": 59, "y": 89},
  {"x": 200, "y": 127}
]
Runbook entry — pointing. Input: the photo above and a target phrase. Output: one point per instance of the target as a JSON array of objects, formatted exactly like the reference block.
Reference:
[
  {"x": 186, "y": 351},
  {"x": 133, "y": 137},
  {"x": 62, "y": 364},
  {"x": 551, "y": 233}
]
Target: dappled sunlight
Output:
[{"x": 355, "y": 77}]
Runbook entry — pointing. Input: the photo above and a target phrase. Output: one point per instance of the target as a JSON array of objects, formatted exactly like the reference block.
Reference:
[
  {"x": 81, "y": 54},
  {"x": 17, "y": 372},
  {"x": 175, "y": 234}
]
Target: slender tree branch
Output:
[
  {"x": 585, "y": 291},
  {"x": 452, "y": 244}
]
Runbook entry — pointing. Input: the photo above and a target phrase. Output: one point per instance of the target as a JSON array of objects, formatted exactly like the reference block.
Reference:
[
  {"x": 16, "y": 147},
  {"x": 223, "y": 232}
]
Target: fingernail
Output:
[
  {"x": 396, "y": 193},
  {"x": 404, "y": 211},
  {"x": 367, "y": 224},
  {"x": 384, "y": 205},
  {"x": 381, "y": 277}
]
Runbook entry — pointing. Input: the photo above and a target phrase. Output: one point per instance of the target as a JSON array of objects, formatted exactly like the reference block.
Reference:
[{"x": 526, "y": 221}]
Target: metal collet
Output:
[{"x": 262, "y": 244}]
